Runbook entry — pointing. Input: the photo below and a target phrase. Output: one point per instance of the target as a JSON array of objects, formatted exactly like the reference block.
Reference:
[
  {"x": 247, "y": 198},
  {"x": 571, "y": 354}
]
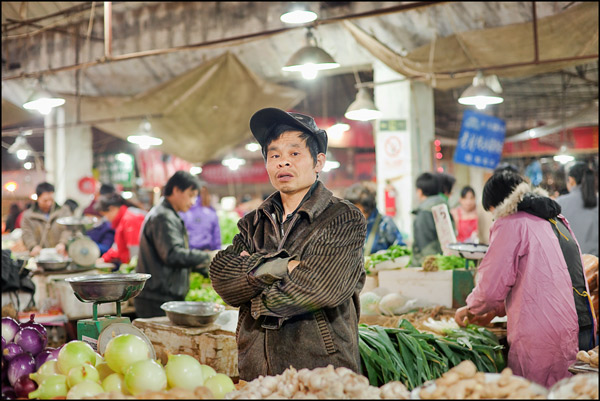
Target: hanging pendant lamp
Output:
[
  {"x": 310, "y": 59},
  {"x": 479, "y": 94}
]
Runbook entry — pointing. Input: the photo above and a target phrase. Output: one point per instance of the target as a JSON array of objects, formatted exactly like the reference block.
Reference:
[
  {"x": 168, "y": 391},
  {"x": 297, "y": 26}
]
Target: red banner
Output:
[
  {"x": 156, "y": 168},
  {"x": 216, "y": 173}
]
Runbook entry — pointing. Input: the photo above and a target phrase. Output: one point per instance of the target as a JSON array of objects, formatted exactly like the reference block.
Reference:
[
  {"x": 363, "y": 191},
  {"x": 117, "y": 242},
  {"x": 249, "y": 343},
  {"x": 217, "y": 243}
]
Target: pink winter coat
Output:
[{"x": 524, "y": 275}]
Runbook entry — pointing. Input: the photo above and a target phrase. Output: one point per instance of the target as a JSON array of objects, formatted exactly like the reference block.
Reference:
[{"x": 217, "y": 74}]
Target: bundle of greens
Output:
[
  {"x": 201, "y": 290},
  {"x": 393, "y": 252},
  {"x": 228, "y": 226},
  {"x": 448, "y": 262},
  {"x": 412, "y": 357}
]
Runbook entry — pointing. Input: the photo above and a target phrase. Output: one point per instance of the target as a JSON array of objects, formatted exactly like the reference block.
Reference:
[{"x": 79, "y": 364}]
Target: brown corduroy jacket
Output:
[{"x": 309, "y": 317}]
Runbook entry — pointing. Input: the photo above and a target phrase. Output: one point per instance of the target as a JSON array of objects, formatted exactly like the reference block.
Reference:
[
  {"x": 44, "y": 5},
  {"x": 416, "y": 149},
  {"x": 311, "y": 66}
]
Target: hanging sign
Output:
[{"x": 480, "y": 140}]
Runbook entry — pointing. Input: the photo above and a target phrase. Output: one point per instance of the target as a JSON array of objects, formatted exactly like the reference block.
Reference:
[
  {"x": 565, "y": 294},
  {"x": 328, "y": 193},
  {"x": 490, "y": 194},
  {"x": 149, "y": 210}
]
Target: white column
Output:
[
  {"x": 49, "y": 146},
  {"x": 403, "y": 138},
  {"x": 60, "y": 194}
]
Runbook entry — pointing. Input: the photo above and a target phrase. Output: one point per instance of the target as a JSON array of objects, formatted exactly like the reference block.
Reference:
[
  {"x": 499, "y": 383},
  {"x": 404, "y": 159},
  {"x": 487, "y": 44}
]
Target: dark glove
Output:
[{"x": 273, "y": 270}]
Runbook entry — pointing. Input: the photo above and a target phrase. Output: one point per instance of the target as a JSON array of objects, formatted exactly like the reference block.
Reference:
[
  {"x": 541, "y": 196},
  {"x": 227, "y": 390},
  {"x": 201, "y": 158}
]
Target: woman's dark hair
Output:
[
  {"x": 362, "y": 194},
  {"x": 584, "y": 178},
  {"x": 466, "y": 189},
  {"x": 277, "y": 130},
  {"x": 43, "y": 187},
  {"x": 104, "y": 202},
  {"x": 499, "y": 187},
  {"x": 429, "y": 184},
  {"x": 107, "y": 188},
  {"x": 71, "y": 204},
  {"x": 182, "y": 180}
]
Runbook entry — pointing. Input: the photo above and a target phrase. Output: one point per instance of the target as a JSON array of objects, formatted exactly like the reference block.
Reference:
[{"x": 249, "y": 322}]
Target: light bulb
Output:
[
  {"x": 22, "y": 154},
  {"x": 309, "y": 71}
]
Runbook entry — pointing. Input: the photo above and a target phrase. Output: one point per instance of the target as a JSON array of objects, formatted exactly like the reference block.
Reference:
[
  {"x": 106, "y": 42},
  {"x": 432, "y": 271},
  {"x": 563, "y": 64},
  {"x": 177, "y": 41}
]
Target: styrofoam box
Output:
[
  {"x": 434, "y": 288},
  {"x": 73, "y": 307}
]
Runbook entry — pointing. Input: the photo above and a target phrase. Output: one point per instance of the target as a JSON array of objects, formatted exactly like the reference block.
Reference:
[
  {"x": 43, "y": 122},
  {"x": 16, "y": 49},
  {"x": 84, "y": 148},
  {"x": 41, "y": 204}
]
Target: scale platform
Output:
[{"x": 104, "y": 288}]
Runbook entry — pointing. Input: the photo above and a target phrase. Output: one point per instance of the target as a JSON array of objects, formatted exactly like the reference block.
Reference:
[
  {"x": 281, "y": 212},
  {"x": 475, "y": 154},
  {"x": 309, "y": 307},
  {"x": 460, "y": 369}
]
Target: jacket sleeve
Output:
[
  {"x": 216, "y": 235},
  {"x": 230, "y": 273},
  {"x": 498, "y": 270},
  {"x": 170, "y": 246},
  {"x": 327, "y": 275},
  {"x": 27, "y": 233}
]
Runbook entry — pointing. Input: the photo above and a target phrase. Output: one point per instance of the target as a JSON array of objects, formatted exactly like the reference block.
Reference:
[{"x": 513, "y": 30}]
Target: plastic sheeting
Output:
[
  {"x": 200, "y": 114},
  {"x": 572, "y": 33}
]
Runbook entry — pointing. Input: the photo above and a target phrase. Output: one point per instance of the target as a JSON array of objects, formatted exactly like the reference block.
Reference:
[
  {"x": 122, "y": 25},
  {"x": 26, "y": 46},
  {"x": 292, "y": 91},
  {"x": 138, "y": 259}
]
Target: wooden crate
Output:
[{"x": 210, "y": 345}]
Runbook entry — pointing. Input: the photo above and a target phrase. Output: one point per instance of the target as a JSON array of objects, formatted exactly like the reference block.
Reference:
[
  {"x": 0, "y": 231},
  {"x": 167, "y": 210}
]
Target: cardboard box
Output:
[
  {"x": 448, "y": 288},
  {"x": 210, "y": 345}
]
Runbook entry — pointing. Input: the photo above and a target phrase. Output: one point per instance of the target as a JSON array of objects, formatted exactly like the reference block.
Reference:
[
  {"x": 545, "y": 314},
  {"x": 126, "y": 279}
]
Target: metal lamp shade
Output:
[
  {"x": 313, "y": 55},
  {"x": 474, "y": 95},
  {"x": 42, "y": 101},
  {"x": 363, "y": 108}
]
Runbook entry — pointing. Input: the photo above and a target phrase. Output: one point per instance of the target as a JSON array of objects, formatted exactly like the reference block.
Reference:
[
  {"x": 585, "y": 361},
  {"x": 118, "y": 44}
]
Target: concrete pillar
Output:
[
  {"x": 403, "y": 138},
  {"x": 68, "y": 156}
]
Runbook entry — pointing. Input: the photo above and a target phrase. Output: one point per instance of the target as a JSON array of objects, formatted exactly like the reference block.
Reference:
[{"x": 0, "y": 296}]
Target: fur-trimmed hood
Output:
[{"x": 527, "y": 199}]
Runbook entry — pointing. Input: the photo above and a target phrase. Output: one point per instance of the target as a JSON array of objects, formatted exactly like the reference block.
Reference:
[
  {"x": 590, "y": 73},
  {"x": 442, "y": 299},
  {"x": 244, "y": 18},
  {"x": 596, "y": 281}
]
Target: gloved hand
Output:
[{"x": 273, "y": 270}]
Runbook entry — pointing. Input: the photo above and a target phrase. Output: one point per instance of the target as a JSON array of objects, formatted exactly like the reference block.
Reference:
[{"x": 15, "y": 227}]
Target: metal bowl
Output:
[
  {"x": 115, "y": 287},
  {"x": 195, "y": 314},
  {"x": 53, "y": 265}
]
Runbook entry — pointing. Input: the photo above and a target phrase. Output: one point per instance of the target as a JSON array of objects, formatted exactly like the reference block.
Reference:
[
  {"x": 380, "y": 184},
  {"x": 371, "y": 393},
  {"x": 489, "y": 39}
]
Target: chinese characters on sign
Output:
[{"x": 480, "y": 140}]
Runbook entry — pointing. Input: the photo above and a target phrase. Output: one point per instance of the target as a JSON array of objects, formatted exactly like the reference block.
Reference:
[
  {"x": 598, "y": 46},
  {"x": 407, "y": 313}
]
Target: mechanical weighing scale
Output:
[
  {"x": 82, "y": 250},
  {"x": 104, "y": 288},
  {"x": 469, "y": 251}
]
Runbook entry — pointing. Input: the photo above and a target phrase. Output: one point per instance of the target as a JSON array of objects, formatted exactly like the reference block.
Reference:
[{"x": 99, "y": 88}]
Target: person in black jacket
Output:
[{"x": 164, "y": 250}]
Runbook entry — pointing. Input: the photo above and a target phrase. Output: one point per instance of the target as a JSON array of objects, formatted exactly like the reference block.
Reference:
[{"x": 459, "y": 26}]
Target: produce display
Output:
[
  {"x": 228, "y": 226},
  {"x": 393, "y": 252},
  {"x": 464, "y": 381},
  {"x": 580, "y": 386},
  {"x": 127, "y": 268},
  {"x": 433, "y": 263},
  {"x": 201, "y": 290},
  {"x": 407, "y": 355},
  {"x": 590, "y": 357},
  {"x": 24, "y": 351},
  {"x": 318, "y": 383}
]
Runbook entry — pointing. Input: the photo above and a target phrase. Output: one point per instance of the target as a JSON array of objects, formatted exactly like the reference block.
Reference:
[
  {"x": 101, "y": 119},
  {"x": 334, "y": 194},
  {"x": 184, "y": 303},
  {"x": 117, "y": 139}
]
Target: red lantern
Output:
[{"x": 87, "y": 185}]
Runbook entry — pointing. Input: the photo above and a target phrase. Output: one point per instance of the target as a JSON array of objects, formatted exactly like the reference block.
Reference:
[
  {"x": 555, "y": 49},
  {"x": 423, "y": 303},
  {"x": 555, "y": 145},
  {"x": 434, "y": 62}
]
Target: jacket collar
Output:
[
  {"x": 510, "y": 205},
  {"x": 317, "y": 201}
]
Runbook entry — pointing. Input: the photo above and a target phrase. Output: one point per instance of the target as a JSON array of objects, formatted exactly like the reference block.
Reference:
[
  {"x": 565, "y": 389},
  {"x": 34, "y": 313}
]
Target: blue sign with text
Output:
[{"x": 480, "y": 140}]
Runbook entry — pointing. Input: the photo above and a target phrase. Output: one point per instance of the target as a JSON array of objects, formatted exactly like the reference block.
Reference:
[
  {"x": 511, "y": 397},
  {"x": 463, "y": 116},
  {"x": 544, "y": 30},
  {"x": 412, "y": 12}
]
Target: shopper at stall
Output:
[
  {"x": 202, "y": 223},
  {"x": 127, "y": 221},
  {"x": 532, "y": 273},
  {"x": 105, "y": 189},
  {"x": 446, "y": 184},
  {"x": 11, "y": 219},
  {"x": 580, "y": 206},
  {"x": 465, "y": 216},
  {"x": 382, "y": 232},
  {"x": 164, "y": 251},
  {"x": 40, "y": 229},
  {"x": 296, "y": 268},
  {"x": 425, "y": 240}
]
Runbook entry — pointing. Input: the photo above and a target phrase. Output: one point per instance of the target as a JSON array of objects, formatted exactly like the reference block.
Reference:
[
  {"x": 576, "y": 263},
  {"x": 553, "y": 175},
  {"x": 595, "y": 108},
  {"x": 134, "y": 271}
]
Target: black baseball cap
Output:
[{"x": 264, "y": 120}]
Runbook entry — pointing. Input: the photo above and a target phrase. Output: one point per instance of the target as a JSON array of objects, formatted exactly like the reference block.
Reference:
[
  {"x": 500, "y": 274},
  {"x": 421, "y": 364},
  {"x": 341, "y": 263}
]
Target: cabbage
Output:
[
  {"x": 392, "y": 304},
  {"x": 369, "y": 303}
]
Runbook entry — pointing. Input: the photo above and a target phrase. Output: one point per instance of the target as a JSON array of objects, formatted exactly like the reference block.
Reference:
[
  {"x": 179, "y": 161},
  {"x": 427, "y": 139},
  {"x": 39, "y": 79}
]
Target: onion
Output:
[
  {"x": 75, "y": 353},
  {"x": 114, "y": 382},
  {"x": 3, "y": 370},
  {"x": 3, "y": 343},
  {"x": 183, "y": 371},
  {"x": 80, "y": 373},
  {"x": 99, "y": 359},
  {"x": 11, "y": 350},
  {"x": 10, "y": 328},
  {"x": 104, "y": 370},
  {"x": 23, "y": 386},
  {"x": 146, "y": 375},
  {"x": 55, "y": 352},
  {"x": 21, "y": 365},
  {"x": 8, "y": 393},
  {"x": 220, "y": 384},
  {"x": 53, "y": 386},
  {"x": 84, "y": 389},
  {"x": 38, "y": 326},
  {"x": 31, "y": 340},
  {"x": 124, "y": 350},
  {"x": 44, "y": 356},
  {"x": 49, "y": 368},
  {"x": 207, "y": 371}
]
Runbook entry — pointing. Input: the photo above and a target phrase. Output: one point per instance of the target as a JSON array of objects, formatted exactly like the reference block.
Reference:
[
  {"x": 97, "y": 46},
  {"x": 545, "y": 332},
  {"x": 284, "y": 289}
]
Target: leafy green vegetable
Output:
[
  {"x": 127, "y": 268},
  {"x": 228, "y": 226},
  {"x": 451, "y": 262},
  {"x": 393, "y": 252},
  {"x": 412, "y": 357},
  {"x": 201, "y": 290}
]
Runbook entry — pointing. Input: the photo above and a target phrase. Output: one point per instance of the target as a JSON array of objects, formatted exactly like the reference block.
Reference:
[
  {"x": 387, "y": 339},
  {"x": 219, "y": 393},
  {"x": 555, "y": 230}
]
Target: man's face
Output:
[
  {"x": 45, "y": 201},
  {"x": 183, "y": 200},
  {"x": 289, "y": 164}
]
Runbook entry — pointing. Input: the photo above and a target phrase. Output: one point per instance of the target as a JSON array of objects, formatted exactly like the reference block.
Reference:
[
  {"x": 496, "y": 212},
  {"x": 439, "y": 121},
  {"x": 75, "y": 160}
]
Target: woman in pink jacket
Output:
[{"x": 526, "y": 275}]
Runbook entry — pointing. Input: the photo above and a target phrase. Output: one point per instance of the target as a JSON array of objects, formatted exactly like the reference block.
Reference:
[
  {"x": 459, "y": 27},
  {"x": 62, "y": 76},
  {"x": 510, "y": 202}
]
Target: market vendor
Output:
[
  {"x": 296, "y": 268},
  {"x": 532, "y": 273},
  {"x": 164, "y": 251},
  {"x": 40, "y": 229}
]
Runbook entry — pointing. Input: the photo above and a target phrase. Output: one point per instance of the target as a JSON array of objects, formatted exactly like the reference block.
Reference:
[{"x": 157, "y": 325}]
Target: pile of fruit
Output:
[{"x": 76, "y": 371}]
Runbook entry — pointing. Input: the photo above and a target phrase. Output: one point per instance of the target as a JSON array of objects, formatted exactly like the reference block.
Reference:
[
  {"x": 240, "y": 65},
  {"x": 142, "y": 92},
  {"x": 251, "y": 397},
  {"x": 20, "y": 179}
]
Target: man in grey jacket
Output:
[
  {"x": 296, "y": 268},
  {"x": 164, "y": 251}
]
